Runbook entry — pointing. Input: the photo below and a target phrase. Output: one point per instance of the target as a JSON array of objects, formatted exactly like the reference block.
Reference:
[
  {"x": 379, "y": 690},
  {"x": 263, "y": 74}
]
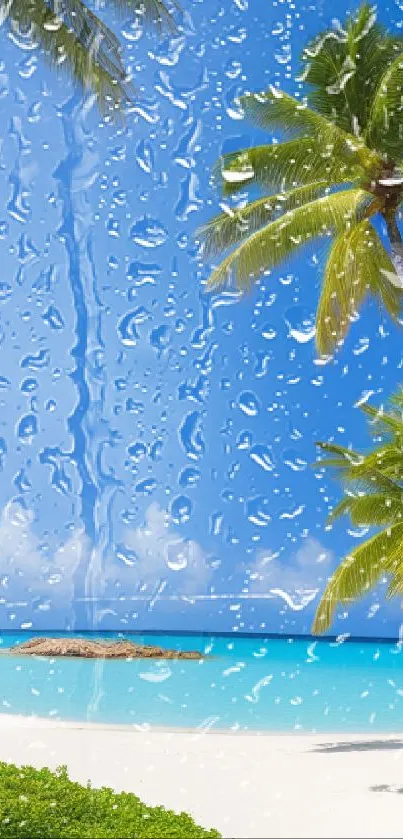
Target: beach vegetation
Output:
[{"x": 41, "y": 804}]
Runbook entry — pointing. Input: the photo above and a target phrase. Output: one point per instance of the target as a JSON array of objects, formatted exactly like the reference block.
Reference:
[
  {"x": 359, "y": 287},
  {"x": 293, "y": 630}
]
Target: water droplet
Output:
[
  {"x": 190, "y": 435},
  {"x": 294, "y": 460},
  {"x": 145, "y": 156},
  {"x": 268, "y": 332},
  {"x": 137, "y": 450},
  {"x": 248, "y": 403},
  {"x": 244, "y": 440},
  {"x": 260, "y": 454},
  {"x": 143, "y": 273},
  {"x": 148, "y": 232},
  {"x": 189, "y": 477},
  {"x": 127, "y": 330},
  {"x": 301, "y": 325},
  {"x": 157, "y": 676},
  {"x": 28, "y": 386},
  {"x": 147, "y": 486},
  {"x": 160, "y": 338},
  {"x": 181, "y": 508},
  {"x": 27, "y": 428},
  {"x": 53, "y": 318},
  {"x": 5, "y": 292},
  {"x": 37, "y": 361},
  {"x": 258, "y": 510}
]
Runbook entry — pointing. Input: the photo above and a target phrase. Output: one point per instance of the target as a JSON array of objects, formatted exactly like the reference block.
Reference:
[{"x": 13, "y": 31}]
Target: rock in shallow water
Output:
[{"x": 83, "y": 648}]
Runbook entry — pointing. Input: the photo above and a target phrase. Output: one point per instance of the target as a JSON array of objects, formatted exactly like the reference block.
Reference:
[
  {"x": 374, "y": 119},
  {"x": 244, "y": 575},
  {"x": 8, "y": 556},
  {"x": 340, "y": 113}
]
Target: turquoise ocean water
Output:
[{"x": 246, "y": 684}]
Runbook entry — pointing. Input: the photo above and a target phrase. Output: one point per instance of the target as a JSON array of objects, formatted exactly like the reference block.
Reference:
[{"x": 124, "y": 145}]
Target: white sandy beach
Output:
[{"x": 245, "y": 785}]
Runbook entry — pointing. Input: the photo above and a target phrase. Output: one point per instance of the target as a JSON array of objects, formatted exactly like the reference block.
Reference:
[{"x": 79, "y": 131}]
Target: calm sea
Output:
[{"x": 245, "y": 684}]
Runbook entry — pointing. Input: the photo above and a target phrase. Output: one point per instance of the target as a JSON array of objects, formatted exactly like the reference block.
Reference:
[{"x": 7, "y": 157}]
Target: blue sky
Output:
[{"x": 162, "y": 479}]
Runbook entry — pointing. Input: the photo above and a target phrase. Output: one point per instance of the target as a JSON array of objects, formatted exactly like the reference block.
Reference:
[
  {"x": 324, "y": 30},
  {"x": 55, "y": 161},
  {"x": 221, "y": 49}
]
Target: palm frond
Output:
[
  {"x": 276, "y": 109},
  {"x": 153, "y": 12},
  {"x": 356, "y": 266},
  {"x": 383, "y": 419},
  {"x": 286, "y": 165},
  {"x": 345, "y": 454},
  {"x": 233, "y": 226},
  {"x": 279, "y": 240},
  {"x": 340, "y": 509},
  {"x": 396, "y": 401},
  {"x": 93, "y": 69},
  {"x": 388, "y": 460},
  {"x": 375, "y": 509},
  {"x": 358, "y": 573},
  {"x": 395, "y": 588},
  {"x": 343, "y": 68},
  {"x": 385, "y": 124},
  {"x": 361, "y": 473}
]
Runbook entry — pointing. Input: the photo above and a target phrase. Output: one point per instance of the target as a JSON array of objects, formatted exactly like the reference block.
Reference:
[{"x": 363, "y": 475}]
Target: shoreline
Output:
[
  {"x": 278, "y": 784},
  {"x": 22, "y": 720}
]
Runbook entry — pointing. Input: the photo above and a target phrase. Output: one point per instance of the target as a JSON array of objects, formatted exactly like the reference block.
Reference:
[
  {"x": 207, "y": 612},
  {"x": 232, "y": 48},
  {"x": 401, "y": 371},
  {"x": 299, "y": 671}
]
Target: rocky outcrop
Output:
[{"x": 85, "y": 648}]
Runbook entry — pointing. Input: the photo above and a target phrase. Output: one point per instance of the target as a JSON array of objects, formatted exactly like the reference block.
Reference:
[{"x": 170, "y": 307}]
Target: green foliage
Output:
[
  {"x": 385, "y": 125},
  {"x": 359, "y": 572},
  {"x": 293, "y": 163},
  {"x": 40, "y": 804},
  {"x": 351, "y": 140},
  {"x": 92, "y": 57},
  {"x": 357, "y": 265},
  {"x": 343, "y": 68},
  {"x": 281, "y": 238},
  {"x": 373, "y": 497},
  {"x": 74, "y": 39},
  {"x": 232, "y": 226}
]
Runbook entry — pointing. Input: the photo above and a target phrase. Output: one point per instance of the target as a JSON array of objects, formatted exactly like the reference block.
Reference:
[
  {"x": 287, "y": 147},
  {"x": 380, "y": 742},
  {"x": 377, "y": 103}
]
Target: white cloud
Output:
[
  {"x": 298, "y": 580},
  {"x": 158, "y": 553},
  {"x": 153, "y": 556},
  {"x": 26, "y": 569}
]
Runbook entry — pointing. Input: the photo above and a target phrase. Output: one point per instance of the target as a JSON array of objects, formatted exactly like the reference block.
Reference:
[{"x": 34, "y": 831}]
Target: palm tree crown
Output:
[
  {"x": 74, "y": 38},
  {"x": 373, "y": 497},
  {"x": 339, "y": 167}
]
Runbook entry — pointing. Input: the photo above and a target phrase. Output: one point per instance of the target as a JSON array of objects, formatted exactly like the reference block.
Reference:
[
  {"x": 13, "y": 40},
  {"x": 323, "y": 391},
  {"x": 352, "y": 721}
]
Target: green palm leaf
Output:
[
  {"x": 396, "y": 401},
  {"x": 376, "y": 471},
  {"x": 280, "y": 239},
  {"x": 395, "y": 588},
  {"x": 276, "y": 109},
  {"x": 152, "y": 12},
  {"x": 344, "y": 454},
  {"x": 94, "y": 69},
  {"x": 285, "y": 165},
  {"x": 385, "y": 124},
  {"x": 76, "y": 40},
  {"x": 374, "y": 497},
  {"x": 384, "y": 420},
  {"x": 232, "y": 226},
  {"x": 356, "y": 266},
  {"x": 343, "y": 68},
  {"x": 387, "y": 459},
  {"x": 359, "y": 572},
  {"x": 374, "y": 509}
]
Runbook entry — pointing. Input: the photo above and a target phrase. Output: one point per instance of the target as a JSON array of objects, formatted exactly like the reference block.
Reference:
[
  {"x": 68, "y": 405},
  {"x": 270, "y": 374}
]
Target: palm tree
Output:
[
  {"x": 374, "y": 498},
  {"x": 74, "y": 38},
  {"x": 338, "y": 174}
]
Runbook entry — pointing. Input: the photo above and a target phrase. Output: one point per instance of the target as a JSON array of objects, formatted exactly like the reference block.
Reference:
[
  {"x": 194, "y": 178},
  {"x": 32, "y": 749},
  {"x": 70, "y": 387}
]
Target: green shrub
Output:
[{"x": 40, "y": 804}]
